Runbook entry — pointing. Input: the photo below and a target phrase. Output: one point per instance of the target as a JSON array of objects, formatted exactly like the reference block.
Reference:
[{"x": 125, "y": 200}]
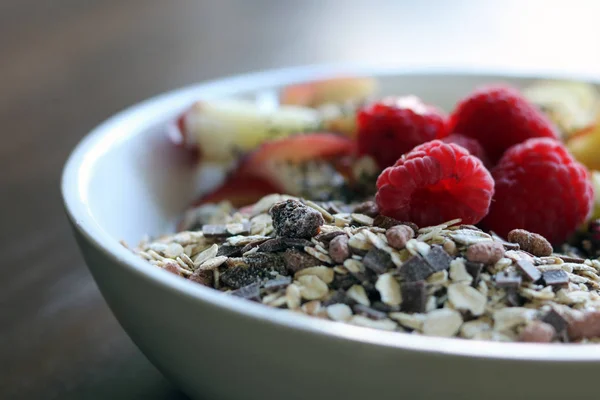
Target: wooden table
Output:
[{"x": 66, "y": 65}]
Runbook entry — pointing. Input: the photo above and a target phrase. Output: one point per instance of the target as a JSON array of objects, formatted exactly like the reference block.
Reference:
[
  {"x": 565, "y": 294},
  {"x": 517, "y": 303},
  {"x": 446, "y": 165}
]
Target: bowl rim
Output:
[{"x": 98, "y": 142}]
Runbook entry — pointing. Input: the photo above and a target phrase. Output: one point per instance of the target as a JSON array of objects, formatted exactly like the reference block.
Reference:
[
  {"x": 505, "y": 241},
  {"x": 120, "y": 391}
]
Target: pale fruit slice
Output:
[
  {"x": 224, "y": 129},
  {"x": 585, "y": 147},
  {"x": 572, "y": 106},
  {"x": 333, "y": 90}
]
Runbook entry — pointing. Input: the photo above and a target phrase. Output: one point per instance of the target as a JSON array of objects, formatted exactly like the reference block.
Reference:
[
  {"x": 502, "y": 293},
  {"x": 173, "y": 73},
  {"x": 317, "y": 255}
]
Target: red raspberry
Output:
[
  {"x": 434, "y": 183},
  {"x": 499, "y": 117},
  {"x": 540, "y": 188},
  {"x": 393, "y": 126},
  {"x": 470, "y": 144}
]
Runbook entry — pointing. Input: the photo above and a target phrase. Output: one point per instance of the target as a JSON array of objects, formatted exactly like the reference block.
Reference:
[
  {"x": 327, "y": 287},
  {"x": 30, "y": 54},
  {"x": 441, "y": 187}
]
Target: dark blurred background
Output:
[{"x": 65, "y": 65}]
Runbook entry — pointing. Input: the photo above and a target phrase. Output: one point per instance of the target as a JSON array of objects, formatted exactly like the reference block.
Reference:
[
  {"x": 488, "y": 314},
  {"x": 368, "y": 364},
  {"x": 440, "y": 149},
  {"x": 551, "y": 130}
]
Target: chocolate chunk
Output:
[
  {"x": 513, "y": 298},
  {"x": 281, "y": 244},
  {"x": 343, "y": 281},
  {"x": 249, "y": 292},
  {"x": 270, "y": 261},
  {"x": 295, "y": 260},
  {"x": 238, "y": 277},
  {"x": 414, "y": 297},
  {"x": 229, "y": 251},
  {"x": 368, "y": 312},
  {"x": 203, "y": 276},
  {"x": 506, "y": 280},
  {"x": 369, "y": 208},
  {"x": 386, "y": 308},
  {"x": 415, "y": 269},
  {"x": 384, "y": 222},
  {"x": 328, "y": 237},
  {"x": 474, "y": 269},
  {"x": 556, "y": 320},
  {"x": 215, "y": 231},
  {"x": 556, "y": 278},
  {"x": 339, "y": 296},
  {"x": 378, "y": 260},
  {"x": 293, "y": 219},
  {"x": 575, "y": 260},
  {"x": 438, "y": 258},
  {"x": 529, "y": 271},
  {"x": 277, "y": 283}
]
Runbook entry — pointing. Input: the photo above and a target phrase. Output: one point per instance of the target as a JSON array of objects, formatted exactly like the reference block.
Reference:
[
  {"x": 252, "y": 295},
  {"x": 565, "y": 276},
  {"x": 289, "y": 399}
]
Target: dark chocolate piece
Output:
[
  {"x": 575, "y": 260},
  {"x": 529, "y": 271},
  {"x": 343, "y": 281},
  {"x": 474, "y": 269},
  {"x": 438, "y": 258},
  {"x": 556, "y": 278},
  {"x": 415, "y": 269},
  {"x": 293, "y": 219},
  {"x": 249, "y": 292},
  {"x": 203, "y": 276},
  {"x": 229, "y": 251},
  {"x": 215, "y": 231},
  {"x": 384, "y": 222},
  {"x": 513, "y": 298},
  {"x": 252, "y": 245},
  {"x": 277, "y": 283},
  {"x": 238, "y": 277},
  {"x": 269, "y": 261},
  {"x": 505, "y": 280},
  {"x": 368, "y": 312},
  {"x": 369, "y": 208},
  {"x": 414, "y": 296},
  {"x": 556, "y": 320},
  {"x": 328, "y": 237},
  {"x": 295, "y": 260},
  {"x": 282, "y": 243},
  {"x": 378, "y": 261}
]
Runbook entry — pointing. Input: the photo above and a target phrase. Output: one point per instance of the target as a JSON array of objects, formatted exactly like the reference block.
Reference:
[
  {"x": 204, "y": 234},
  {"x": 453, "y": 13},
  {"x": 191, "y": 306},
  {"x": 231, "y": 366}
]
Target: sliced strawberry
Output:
[{"x": 239, "y": 191}]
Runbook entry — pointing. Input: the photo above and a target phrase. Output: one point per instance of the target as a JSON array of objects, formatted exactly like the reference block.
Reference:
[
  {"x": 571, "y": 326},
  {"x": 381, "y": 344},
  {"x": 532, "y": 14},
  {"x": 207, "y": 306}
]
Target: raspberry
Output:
[
  {"x": 499, "y": 117},
  {"x": 434, "y": 183},
  {"x": 540, "y": 188},
  {"x": 393, "y": 126},
  {"x": 470, "y": 144}
]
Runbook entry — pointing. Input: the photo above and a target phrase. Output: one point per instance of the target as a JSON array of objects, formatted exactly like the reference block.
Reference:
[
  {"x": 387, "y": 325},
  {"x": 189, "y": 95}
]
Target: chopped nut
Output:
[
  {"x": 397, "y": 236},
  {"x": 530, "y": 242},
  {"x": 312, "y": 288},
  {"x": 339, "y": 312},
  {"x": 485, "y": 252},
  {"x": 464, "y": 297},
  {"x": 293, "y": 296},
  {"x": 537, "y": 332},
  {"x": 312, "y": 307},
  {"x": 584, "y": 324},
  {"x": 358, "y": 294},
  {"x": 389, "y": 289},
  {"x": 324, "y": 273},
  {"x": 443, "y": 322},
  {"x": 339, "y": 249}
]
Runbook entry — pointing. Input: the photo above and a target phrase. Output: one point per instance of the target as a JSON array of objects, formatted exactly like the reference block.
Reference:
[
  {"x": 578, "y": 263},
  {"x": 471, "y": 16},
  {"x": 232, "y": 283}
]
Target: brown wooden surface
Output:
[{"x": 65, "y": 65}]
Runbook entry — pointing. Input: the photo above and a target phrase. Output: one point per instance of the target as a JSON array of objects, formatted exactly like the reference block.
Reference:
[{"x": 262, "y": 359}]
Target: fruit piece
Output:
[
  {"x": 540, "y": 188},
  {"x": 572, "y": 106},
  {"x": 239, "y": 191},
  {"x": 299, "y": 162},
  {"x": 499, "y": 117},
  {"x": 468, "y": 143},
  {"x": 435, "y": 182},
  {"x": 393, "y": 126},
  {"x": 585, "y": 147},
  {"x": 223, "y": 129},
  {"x": 334, "y": 90}
]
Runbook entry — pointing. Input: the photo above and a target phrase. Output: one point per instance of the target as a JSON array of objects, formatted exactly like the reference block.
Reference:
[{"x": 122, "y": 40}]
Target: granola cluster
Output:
[{"x": 347, "y": 263}]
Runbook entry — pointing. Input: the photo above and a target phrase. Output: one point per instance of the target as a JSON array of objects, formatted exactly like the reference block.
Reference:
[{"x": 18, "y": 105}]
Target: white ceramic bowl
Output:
[{"x": 120, "y": 183}]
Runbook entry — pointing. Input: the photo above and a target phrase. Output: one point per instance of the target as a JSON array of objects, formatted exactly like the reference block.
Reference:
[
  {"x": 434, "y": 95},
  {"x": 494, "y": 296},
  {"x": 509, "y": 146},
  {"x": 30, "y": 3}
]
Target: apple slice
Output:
[
  {"x": 585, "y": 147},
  {"x": 334, "y": 90},
  {"x": 223, "y": 129}
]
